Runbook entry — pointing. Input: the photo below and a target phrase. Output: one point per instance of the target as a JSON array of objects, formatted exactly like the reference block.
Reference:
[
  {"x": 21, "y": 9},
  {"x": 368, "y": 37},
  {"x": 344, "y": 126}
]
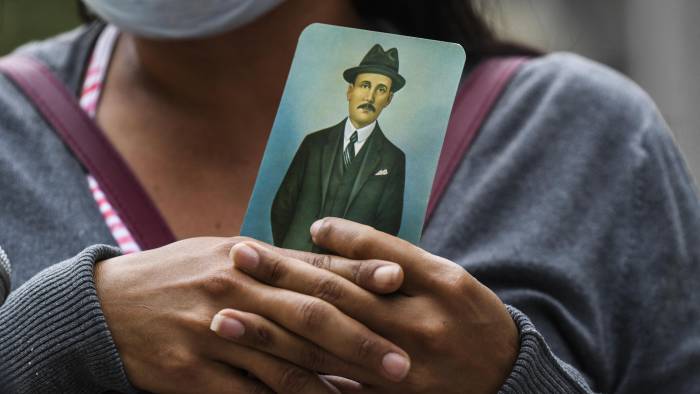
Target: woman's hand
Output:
[
  {"x": 159, "y": 306},
  {"x": 458, "y": 334}
]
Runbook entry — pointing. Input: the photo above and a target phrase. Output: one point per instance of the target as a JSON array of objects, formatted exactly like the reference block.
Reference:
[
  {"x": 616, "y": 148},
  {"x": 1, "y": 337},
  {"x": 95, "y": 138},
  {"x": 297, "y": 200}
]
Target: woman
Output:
[{"x": 573, "y": 205}]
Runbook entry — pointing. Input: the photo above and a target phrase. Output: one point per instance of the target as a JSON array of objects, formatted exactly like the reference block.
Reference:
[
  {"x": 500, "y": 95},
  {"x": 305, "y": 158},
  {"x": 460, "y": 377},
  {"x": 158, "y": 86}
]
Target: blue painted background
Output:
[{"x": 315, "y": 98}]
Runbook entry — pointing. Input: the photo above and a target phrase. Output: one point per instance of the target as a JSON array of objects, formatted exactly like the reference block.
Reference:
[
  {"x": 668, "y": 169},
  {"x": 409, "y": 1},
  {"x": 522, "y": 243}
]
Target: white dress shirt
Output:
[{"x": 362, "y": 134}]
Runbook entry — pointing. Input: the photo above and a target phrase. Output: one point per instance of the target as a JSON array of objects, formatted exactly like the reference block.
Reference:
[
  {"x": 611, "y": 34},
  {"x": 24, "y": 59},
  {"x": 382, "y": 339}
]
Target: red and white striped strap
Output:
[{"x": 89, "y": 99}]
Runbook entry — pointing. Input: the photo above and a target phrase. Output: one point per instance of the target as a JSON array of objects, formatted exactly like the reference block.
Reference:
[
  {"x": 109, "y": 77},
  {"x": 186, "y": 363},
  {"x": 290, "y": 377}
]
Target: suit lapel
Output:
[
  {"x": 369, "y": 165},
  {"x": 328, "y": 159}
]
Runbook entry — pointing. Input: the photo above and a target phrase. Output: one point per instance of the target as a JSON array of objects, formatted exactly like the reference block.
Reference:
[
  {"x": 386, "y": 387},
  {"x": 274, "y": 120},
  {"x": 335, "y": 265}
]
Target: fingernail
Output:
[
  {"x": 227, "y": 327},
  {"x": 245, "y": 257},
  {"x": 396, "y": 365},
  {"x": 386, "y": 275},
  {"x": 314, "y": 227}
]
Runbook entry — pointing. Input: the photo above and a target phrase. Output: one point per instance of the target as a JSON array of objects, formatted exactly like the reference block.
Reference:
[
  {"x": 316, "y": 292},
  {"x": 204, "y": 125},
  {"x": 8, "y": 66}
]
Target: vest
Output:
[{"x": 341, "y": 181}]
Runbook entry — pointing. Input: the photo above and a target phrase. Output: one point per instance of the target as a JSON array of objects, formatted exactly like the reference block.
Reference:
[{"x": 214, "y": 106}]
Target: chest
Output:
[{"x": 199, "y": 178}]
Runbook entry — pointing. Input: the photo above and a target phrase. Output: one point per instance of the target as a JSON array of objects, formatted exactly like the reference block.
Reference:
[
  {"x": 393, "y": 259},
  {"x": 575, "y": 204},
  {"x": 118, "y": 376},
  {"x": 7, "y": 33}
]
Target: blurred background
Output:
[{"x": 656, "y": 43}]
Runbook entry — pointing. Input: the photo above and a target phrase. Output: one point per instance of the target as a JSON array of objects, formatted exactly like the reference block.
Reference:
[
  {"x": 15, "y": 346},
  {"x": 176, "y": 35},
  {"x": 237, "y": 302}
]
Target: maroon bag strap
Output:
[
  {"x": 88, "y": 143},
  {"x": 475, "y": 99}
]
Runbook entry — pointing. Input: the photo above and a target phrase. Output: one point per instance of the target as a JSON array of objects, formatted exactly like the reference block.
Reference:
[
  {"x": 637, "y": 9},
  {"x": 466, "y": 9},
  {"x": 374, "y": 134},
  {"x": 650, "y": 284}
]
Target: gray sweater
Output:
[{"x": 573, "y": 205}]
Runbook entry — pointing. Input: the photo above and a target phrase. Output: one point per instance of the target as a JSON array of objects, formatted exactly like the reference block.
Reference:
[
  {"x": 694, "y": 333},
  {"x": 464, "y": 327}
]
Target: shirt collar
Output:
[{"x": 362, "y": 134}]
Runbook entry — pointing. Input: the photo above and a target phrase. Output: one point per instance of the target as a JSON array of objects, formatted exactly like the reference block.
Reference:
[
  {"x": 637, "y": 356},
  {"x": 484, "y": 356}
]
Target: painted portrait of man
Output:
[{"x": 349, "y": 170}]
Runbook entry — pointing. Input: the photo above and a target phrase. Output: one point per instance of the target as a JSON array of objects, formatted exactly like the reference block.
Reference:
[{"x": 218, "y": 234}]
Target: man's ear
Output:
[
  {"x": 350, "y": 86},
  {"x": 388, "y": 101}
]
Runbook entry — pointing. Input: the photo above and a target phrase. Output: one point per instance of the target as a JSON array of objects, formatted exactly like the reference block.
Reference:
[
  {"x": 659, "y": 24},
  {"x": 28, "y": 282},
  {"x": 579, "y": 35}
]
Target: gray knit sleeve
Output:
[
  {"x": 537, "y": 369},
  {"x": 53, "y": 335}
]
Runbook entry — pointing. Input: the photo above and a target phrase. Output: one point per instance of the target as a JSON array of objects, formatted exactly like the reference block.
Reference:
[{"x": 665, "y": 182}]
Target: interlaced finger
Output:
[{"x": 358, "y": 241}]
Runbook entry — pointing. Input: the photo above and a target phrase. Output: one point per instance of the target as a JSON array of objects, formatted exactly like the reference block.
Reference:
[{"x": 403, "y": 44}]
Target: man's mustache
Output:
[{"x": 367, "y": 106}]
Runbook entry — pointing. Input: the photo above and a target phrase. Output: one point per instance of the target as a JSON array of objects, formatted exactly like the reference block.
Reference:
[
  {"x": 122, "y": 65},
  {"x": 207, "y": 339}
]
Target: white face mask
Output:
[{"x": 173, "y": 19}]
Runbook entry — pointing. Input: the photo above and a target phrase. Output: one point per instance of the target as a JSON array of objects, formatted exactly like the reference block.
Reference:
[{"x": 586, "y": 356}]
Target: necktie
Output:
[{"x": 349, "y": 152}]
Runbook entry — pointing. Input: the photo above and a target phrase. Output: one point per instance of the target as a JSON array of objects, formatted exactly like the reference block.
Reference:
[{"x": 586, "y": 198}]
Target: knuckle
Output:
[
  {"x": 224, "y": 246},
  {"x": 312, "y": 314},
  {"x": 365, "y": 347},
  {"x": 362, "y": 272},
  {"x": 276, "y": 269},
  {"x": 328, "y": 289},
  {"x": 262, "y": 336},
  {"x": 460, "y": 282},
  {"x": 430, "y": 333},
  {"x": 294, "y": 380},
  {"x": 314, "y": 358},
  {"x": 219, "y": 284},
  {"x": 356, "y": 272},
  {"x": 361, "y": 244},
  {"x": 196, "y": 322},
  {"x": 180, "y": 364},
  {"x": 322, "y": 261}
]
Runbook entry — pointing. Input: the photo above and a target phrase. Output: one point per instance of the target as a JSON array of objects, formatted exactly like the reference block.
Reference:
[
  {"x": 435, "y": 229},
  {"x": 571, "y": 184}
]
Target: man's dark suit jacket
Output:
[{"x": 376, "y": 198}]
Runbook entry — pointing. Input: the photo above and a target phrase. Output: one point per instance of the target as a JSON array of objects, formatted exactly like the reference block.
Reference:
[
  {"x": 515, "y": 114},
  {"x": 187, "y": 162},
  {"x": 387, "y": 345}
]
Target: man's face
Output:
[{"x": 367, "y": 97}]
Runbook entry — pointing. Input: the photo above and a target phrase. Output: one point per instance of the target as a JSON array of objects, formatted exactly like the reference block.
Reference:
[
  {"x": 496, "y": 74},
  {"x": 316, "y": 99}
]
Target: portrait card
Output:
[{"x": 357, "y": 135}]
